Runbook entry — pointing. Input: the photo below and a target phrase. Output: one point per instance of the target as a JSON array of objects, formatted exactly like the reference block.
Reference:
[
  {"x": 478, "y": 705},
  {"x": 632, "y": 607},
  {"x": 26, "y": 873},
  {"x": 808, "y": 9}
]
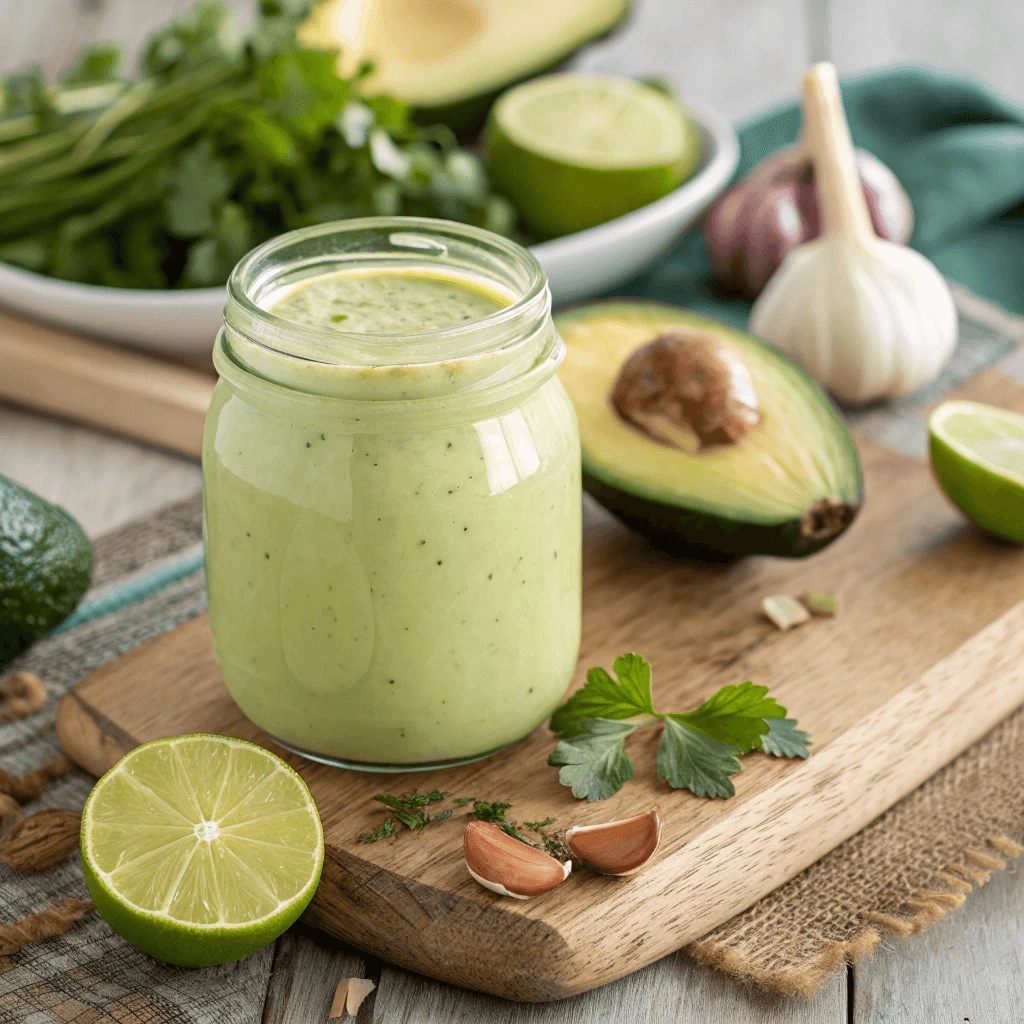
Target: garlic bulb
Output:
[
  {"x": 775, "y": 207},
  {"x": 865, "y": 317}
]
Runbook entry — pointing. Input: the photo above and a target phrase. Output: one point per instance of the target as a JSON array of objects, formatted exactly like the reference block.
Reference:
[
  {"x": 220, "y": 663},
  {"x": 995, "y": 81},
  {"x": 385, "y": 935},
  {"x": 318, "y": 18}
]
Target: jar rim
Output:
[{"x": 416, "y": 238}]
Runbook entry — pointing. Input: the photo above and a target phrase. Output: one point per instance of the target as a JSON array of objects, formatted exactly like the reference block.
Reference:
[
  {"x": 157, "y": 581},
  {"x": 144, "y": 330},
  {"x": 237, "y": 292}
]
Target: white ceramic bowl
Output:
[{"x": 185, "y": 321}]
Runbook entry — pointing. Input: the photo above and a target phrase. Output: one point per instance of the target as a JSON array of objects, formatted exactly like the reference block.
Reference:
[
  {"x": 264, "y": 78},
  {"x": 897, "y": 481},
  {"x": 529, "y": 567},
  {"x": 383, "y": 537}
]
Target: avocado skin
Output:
[
  {"x": 703, "y": 536},
  {"x": 46, "y": 566}
]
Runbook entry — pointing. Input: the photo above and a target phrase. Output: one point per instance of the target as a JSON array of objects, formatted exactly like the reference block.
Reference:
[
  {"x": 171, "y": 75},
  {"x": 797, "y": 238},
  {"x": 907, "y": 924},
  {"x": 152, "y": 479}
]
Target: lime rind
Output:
[
  {"x": 579, "y": 165},
  {"x": 967, "y": 440},
  {"x": 185, "y": 855}
]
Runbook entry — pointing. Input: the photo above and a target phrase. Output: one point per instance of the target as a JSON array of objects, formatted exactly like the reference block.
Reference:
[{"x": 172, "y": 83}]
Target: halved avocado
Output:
[
  {"x": 707, "y": 440},
  {"x": 450, "y": 58}
]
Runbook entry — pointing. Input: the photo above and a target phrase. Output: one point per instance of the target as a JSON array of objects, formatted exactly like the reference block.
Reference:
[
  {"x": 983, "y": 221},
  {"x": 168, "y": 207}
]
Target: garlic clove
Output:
[
  {"x": 785, "y": 611},
  {"x": 508, "y": 867},
  {"x": 617, "y": 847}
]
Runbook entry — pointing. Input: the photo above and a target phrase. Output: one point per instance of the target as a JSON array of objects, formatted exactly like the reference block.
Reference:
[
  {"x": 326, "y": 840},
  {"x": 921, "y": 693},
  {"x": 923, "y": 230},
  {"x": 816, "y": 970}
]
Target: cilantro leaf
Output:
[
  {"x": 691, "y": 759},
  {"x": 784, "y": 739},
  {"x": 199, "y": 184},
  {"x": 603, "y": 697},
  {"x": 735, "y": 715},
  {"x": 594, "y": 761}
]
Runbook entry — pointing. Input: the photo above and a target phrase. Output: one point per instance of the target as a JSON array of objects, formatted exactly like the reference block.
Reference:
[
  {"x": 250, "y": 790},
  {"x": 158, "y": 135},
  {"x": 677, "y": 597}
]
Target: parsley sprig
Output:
[{"x": 699, "y": 750}]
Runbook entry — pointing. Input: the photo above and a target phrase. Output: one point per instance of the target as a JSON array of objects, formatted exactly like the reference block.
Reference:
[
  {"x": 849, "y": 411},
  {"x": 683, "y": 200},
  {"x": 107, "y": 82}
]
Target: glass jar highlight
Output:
[{"x": 392, "y": 521}]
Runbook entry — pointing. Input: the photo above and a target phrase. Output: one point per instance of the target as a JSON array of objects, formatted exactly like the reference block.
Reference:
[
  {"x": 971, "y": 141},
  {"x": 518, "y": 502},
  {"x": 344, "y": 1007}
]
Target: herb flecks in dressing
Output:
[{"x": 387, "y": 302}]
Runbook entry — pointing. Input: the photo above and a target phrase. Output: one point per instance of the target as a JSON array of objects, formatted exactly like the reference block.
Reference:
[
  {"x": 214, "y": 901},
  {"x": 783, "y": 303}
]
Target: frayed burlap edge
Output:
[{"x": 921, "y": 909}]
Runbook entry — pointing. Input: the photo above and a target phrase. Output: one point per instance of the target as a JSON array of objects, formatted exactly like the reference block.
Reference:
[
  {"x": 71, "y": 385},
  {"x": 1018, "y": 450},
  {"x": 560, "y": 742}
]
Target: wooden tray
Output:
[{"x": 926, "y": 656}]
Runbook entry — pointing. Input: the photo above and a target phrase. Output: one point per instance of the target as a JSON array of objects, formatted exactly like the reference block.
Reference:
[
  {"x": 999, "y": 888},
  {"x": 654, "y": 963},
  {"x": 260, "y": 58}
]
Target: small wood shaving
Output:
[
  {"x": 30, "y": 786},
  {"x": 41, "y": 840},
  {"x": 10, "y": 810},
  {"x": 21, "y": 695},
  {"x": 785, "y": 611},
  {"x": 349, "y": 996},
  {"x": 56, "y": 920},
  {"x": 818, "y": 603}
]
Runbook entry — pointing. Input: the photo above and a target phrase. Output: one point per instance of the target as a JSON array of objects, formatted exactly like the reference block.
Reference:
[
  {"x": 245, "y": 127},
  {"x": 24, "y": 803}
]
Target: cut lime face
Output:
[
  {"x": 595, "y": 121},
  {"x": 978, "y": 454},
  {"x": 573, "y": 151},
  {"x": 201, "y": 849}
]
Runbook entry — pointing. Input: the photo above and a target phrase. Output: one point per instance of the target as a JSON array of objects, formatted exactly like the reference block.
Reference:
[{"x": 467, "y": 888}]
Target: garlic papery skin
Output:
[
  {"x": 865, "y": 321},
  {"x": 750, "y": 230},
  {"x": 867, "y": 318}
]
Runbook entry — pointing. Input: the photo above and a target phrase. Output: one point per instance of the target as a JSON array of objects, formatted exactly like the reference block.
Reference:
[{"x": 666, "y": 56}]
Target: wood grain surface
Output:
[
  {"x": 925, "y": 658},
  {"x": 102, "y": 385},
  {"x": 968, "y": 966}
]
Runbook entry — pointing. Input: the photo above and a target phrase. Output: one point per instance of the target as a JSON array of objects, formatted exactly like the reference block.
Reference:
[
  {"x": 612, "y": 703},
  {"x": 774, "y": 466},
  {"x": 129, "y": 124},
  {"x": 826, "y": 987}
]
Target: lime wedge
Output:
[
  {"x": 573, "y": 151},
  {"x": 978, "y": 454},
  {"x": 201, "y": 849}
]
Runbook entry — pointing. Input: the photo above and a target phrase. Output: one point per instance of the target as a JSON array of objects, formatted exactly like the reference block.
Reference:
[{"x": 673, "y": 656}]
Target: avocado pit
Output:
[{"x": 687, "y": 390}]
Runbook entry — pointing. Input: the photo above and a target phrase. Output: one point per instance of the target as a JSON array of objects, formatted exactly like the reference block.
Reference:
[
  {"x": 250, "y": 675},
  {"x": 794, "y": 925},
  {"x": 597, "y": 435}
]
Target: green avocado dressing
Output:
[
  {"x": 387, "y": 302},
  {"x": 393, "y": 593}
]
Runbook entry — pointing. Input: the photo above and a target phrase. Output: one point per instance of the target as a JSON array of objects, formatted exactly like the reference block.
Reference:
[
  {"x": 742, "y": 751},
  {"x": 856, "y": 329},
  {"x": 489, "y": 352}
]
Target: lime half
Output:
[
  {"x": 573, "y": 151},
  {"x": 201, "y": 849},
  {"x": 978, "y": 454}
]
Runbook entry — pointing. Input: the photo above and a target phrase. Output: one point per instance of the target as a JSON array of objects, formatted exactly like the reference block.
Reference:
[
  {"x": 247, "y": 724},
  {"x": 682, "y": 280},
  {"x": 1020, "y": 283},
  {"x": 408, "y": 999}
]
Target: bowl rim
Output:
[{"x": 722, "y": 157}]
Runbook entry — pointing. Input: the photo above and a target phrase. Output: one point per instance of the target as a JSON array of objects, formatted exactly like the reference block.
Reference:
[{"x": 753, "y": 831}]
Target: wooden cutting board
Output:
[{"x": 926, "y": 656}]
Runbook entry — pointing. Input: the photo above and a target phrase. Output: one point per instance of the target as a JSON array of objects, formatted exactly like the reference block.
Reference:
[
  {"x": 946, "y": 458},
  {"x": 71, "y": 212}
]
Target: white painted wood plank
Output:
[
  {"x": 101, "y": 480},
  {"x": 737, "y": 56},
  {"x": 968, "y": 967},
  {"x": 671, "y": 991},
  {"x": 980, "y": 36}
]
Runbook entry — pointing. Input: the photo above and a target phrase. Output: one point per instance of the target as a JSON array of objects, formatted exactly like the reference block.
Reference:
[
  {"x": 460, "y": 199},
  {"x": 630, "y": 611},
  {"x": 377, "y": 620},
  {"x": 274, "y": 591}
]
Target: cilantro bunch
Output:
[
  {"x": 225, "y": 139},
  {"x": 699, "y": 750}
]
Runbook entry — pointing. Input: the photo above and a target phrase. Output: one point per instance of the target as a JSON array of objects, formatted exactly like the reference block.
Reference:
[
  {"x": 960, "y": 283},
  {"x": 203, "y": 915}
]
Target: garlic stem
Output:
[{"x": 844, "y": 209}]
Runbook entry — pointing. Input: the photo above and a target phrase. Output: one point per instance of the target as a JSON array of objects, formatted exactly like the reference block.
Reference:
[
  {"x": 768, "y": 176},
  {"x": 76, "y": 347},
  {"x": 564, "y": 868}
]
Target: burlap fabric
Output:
[{"x": 912, "y": 866}]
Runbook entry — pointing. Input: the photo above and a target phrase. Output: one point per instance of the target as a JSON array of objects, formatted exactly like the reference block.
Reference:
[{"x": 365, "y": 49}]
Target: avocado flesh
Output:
[
  {"x": 450, "y": 58},
  {"x": 45, "y": 567},
  {"x": 788, "y": 487}
]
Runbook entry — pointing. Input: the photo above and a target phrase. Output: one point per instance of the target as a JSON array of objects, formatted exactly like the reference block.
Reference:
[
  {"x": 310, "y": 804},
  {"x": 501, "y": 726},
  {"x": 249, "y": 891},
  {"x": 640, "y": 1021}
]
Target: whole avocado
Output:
[{"x": 45, "y": 567}]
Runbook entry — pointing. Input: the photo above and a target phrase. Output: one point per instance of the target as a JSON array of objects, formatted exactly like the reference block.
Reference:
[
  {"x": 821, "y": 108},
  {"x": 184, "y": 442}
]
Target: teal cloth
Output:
[{"x": 957, "y": 147}]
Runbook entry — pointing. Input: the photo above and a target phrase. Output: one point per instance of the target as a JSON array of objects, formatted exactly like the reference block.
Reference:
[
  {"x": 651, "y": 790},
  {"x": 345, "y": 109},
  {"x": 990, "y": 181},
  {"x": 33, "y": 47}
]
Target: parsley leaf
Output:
[
  {"x": 698, "y": 750},
  {"x": 485, "y": 811},
  {"x": 593, "y": 759},
  {"x": 536, "y": 826},
  {"x": 784, "y": 739},
  {"x": 690, "y": 759},
  {"x": 384, "y": 832},
  {"x": 412, "y": 802},
  {"x": 603, "y": 697},
  {"x": 735, "y": 715}
]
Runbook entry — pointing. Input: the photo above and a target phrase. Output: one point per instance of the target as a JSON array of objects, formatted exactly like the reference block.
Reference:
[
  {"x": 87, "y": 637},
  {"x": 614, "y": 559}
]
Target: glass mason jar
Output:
[{"x": 392, "y": 521}]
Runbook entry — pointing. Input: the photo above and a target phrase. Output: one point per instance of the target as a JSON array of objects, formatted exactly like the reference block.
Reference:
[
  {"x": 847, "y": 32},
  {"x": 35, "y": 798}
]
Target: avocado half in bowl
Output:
[{"x": 708, "y": 441}]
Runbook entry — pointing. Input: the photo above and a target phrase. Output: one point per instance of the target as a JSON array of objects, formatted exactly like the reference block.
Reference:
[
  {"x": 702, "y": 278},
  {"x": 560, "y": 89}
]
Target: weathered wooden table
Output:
[{"x": 739, "y": 55}]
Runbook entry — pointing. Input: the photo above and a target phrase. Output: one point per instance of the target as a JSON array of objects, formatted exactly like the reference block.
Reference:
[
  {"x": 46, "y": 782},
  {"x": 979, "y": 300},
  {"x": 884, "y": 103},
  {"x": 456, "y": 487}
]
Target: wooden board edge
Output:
[
  {"x": 790, "y": 826},
  {"x": 92, "y": 741}
]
